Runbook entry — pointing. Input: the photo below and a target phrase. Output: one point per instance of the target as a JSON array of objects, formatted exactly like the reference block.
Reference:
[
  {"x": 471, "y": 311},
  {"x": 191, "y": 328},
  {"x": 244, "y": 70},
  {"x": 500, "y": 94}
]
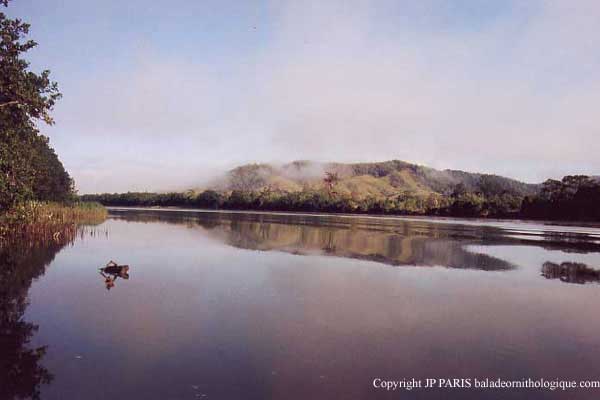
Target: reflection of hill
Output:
[
  {"x": 397, "y": 242},
  {"x": 20, "y": 263},
  {"x": 570, "y": 272},
  {"x": 384, "y": 247}
]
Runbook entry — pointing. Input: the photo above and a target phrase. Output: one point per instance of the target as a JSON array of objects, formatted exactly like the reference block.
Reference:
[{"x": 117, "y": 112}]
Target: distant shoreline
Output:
[{"x": 572, "y": 200}]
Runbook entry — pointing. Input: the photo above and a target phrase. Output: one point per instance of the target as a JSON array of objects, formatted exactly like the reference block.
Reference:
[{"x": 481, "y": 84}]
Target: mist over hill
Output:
[
  {"x": 390, "y": 187},
  {"x": 359, "y": 180}
]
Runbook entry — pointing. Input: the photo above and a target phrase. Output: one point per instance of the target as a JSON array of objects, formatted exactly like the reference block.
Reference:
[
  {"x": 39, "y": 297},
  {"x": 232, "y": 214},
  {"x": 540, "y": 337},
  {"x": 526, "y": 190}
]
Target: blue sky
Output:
[{"x": 163, "y": 95}]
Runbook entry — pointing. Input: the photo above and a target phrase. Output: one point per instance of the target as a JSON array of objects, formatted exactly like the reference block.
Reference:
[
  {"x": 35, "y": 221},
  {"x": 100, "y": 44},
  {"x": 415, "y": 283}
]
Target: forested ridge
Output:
[
  {"x": 392, "y": 187},
  {"x": 382, "y": 179}
]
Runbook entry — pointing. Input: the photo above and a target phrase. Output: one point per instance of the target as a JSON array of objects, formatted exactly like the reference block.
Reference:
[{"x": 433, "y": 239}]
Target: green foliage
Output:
[
  {"x": 209, "y": 199},
  {"x": 50, "y": 182},
  {"x": 25, "y": 96},
  {"x": 29, "y": 168},
  {"x": 575, "y": 197},
  {"x": 466, "y": 204},
  {"x": 380, "y": 169},
  {"x": 16, "y": 173}
]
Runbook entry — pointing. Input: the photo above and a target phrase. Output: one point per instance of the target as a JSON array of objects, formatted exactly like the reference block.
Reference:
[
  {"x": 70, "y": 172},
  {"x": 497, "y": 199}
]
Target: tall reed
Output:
[{"x": 43, "y": 220}]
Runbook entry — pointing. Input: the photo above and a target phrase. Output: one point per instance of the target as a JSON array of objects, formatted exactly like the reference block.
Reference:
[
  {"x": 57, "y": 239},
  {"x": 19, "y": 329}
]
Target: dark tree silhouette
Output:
[{"x": 21, "y": 372}]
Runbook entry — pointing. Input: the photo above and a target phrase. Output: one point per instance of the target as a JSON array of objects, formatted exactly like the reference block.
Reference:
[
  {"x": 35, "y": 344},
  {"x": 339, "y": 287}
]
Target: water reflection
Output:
[
  {"x": 393, "y": 242},
  {"x": 21, "y": 371},
  {"x": 551, "y": 237},
  {"x": 384, "y": 247},
  {"x": 203, "y": 317},
  {"x": 571, "y": 272}
]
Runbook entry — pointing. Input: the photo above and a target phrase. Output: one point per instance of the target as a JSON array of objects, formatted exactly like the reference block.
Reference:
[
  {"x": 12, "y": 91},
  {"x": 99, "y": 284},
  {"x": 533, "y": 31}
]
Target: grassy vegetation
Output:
[{"x": 45, "y": 220}]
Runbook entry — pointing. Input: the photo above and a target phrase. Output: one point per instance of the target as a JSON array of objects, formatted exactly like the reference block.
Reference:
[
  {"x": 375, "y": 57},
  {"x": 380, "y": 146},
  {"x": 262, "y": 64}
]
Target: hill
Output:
[
  {"x": 390, "y": 187},
  {"x": 359, "y": 180}
]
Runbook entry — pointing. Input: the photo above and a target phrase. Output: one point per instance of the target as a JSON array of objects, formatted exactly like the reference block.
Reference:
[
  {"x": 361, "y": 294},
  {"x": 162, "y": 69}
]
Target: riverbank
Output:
[{"x": 35, "y": 220}]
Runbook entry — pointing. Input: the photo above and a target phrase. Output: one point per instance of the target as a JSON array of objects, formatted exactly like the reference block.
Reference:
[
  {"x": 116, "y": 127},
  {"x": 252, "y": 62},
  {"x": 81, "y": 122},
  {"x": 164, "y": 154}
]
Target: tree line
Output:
[
  {"x": 458, "y": 204},
  {"x": 575, "y": 197},
  {"x": 572, "y": 198},
  {"x": 29, "y": 167}
]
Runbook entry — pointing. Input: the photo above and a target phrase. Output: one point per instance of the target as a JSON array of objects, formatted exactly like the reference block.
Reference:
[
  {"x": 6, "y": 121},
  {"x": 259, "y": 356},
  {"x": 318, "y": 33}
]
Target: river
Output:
[{"x": 226, "y": 305}]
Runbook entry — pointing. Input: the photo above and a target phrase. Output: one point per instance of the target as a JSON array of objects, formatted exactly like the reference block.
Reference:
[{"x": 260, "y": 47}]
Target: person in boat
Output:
[
  {"x": 122, "y": 271},
  {"x": 112, "y": 271}
]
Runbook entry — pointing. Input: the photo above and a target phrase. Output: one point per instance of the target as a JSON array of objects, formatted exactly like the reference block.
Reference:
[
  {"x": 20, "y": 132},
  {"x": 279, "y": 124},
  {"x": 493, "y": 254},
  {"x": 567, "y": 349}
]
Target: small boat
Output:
[{"x": 113, "y": 268}]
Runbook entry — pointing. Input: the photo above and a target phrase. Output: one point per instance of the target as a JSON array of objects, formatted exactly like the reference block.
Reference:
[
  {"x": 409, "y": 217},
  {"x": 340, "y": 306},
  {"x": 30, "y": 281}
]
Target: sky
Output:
[{"x": 164, "y": 95}]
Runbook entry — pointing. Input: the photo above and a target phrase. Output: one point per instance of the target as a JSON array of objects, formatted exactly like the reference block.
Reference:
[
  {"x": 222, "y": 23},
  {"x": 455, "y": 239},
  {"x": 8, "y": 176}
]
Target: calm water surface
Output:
[{"x": 263, "y": 306}]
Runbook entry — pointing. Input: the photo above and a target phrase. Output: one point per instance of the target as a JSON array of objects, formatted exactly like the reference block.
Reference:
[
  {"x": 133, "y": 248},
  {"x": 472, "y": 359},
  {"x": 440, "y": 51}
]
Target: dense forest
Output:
[
  {"x": 573, "y": 198},
  {"x": 29, "y": 168},
  {"x": 37, "y": 196}
]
